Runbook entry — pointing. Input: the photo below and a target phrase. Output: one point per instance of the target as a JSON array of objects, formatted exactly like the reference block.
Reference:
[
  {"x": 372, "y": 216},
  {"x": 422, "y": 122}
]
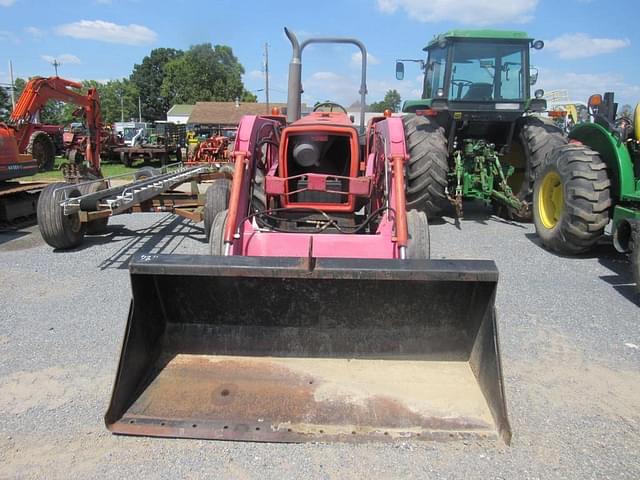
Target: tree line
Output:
[{"x": 165, "y": 77}]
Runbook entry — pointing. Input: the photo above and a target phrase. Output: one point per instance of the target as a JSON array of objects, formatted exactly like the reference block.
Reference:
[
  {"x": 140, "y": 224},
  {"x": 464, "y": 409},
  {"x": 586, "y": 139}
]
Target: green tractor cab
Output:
[
  {"x": 593, "y": 180},
  {"x": 474, "y": 133}
]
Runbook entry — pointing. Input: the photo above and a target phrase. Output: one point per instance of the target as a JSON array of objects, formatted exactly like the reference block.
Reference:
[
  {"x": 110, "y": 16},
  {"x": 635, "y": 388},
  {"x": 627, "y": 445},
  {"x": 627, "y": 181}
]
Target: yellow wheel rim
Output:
[{"x": 550, "y": 200}]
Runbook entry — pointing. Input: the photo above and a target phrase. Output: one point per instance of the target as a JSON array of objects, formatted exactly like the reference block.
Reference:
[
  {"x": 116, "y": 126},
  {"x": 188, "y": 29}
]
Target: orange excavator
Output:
[{"x": 24, "y": 149}]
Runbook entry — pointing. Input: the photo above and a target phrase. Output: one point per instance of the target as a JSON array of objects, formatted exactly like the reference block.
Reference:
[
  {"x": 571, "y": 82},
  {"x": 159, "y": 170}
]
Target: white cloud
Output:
[
  {"x": 7, "y": 36},
  {"x": 108, "y": 32},
  {"x": 581, "y": 85},
  {"x": 34, "y": 32},
  {"x": 356, "y": 59},
  {"x": 64, "y": 58},
  {"x": 343, "y": 89},
  {"x": 6, "y": 3},
  {"x": 470, "y": 12},
  {"x": 256, "y": 75},
  {"x": 581, "y": 45}
]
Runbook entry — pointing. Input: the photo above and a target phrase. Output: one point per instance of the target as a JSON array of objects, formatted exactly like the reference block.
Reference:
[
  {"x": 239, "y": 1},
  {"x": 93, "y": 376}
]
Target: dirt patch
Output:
[
  {"x": 22, "y": 391},
  {"x": 566, "y": 378}
]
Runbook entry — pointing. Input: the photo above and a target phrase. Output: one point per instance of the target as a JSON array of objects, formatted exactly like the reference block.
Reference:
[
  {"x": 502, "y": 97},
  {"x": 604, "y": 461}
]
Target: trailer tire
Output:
[
  {"x": 571, "y": 199},
  {"x": 419, "y": 242},
  {"x": 98, "y": 226},
  {"x": 57, "y": 229},
  {"x": 145, "y": 172},
  {"x": 216, "y": 200},
  {"x": 428, "y": 166},
  {"x": 216, "y": 235},
  {"x": 43, "y": 150}
]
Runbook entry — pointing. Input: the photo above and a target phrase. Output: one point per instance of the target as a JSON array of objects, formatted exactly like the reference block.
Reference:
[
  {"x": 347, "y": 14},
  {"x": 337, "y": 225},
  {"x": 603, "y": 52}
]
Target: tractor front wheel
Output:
[
  {"x": 418, "y": 226},
  {"x": 635, "y": 257},
  {"x": 57, "y": 229},
  {"x": 571, "y": 199},
  {"x": 428, "y": 165},
  {"x": 216, "y": 235},
  {"x": 216, "y": 200}
]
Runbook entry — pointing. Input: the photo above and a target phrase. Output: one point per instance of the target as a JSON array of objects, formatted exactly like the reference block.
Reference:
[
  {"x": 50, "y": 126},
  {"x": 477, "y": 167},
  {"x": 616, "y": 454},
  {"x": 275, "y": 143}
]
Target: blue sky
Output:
[{"x": 591, "y": 44}]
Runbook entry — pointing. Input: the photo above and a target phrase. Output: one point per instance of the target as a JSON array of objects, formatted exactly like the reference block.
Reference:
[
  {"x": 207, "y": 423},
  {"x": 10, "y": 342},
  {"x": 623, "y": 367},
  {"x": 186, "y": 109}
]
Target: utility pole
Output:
[
  {"x": 13, "y": 87},
  {"x": 266, "y": 75},
  {"x": 56, "y": 64},
  {"x": 139, "y": 109},
  {"x": 121, "y": 106}
]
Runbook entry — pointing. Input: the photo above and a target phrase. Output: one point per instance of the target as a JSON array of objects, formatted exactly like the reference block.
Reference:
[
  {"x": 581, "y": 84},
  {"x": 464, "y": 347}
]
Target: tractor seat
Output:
[{"x": 479, "y": 91}]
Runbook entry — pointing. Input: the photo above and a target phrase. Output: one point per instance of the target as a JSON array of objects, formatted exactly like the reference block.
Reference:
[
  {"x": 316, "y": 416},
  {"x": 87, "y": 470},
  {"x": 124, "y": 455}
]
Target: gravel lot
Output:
[{"x": 570, "y": 340}]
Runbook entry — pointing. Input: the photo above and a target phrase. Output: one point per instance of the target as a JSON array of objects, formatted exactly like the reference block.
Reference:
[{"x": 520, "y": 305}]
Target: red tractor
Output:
[
  {"x": 214, "y": 149},
  {"x": 318, "y": 315}
]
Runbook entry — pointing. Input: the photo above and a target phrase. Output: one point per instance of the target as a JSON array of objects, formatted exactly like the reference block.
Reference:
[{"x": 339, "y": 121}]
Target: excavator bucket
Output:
[{"x": 297, "y": 349}]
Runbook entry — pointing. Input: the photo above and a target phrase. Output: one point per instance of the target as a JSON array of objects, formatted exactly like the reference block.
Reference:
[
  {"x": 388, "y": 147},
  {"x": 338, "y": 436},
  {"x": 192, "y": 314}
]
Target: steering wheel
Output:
[
  {"x": 460, "y": 83},
  {"x": 330, "y": 106}
]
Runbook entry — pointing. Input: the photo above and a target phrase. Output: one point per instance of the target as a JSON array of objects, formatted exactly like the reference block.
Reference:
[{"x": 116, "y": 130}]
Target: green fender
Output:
[{"x": 615, "y": 154}]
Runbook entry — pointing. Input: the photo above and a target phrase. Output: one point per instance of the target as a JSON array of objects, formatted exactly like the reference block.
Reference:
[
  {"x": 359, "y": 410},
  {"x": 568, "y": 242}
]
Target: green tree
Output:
[
  {"x": 118, "y": 99},
  {"x": 391, "y": 101},
  {"x": 148, "y": 77},
  {"x": 5, "y": 105},
  {"x": 204, "y": 73}
]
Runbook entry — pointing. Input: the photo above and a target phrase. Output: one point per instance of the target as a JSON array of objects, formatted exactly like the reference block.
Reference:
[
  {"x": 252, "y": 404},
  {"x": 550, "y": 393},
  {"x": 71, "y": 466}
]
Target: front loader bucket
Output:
[{"x": 287, "y": 349}]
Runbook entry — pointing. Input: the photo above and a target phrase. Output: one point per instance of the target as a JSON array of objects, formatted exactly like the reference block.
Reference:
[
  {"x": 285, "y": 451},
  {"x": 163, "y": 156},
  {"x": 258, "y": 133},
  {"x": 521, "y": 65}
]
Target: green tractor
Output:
[
  {"x": 593, "y": 180},
  {"x": 476, "y": 133}
]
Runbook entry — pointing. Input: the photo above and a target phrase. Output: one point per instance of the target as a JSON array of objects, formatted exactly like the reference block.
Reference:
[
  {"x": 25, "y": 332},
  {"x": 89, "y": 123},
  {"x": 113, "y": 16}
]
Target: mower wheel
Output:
[
  {"x": 216, "y": 236},
  {"x": 428, "y": 165},
  {"x": 571, "y": 199},
  {"x": 95, "y": 227},
  {"x": 43, "y": 150},
  {"x": 57, "y": 229},
  {"x": 418, "y": 226},
  {"x": 216, "y": 200}
]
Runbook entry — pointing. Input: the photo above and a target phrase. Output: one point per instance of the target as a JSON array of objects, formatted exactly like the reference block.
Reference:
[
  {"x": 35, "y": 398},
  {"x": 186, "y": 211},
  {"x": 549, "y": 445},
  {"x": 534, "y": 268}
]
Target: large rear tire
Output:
[
  {"x": 216, "y": 236},
  {"x": 43, "y": 150},
  {"x": 428, "y": 165},
  {"x": 536, "y": 139},
  {"x": 572, "y": 199},
  {"x": 57, "y": 229},
  {"x": 216, "y": 200},
  {"x": 419, "y": 243}
]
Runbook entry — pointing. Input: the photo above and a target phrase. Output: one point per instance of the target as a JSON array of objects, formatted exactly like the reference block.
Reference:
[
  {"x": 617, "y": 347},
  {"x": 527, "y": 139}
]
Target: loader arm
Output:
[{"x": 35, "y": 96}]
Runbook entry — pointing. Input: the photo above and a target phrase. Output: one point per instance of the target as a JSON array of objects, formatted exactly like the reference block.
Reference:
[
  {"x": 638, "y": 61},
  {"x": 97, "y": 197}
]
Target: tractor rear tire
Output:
[
  {"x": 98, "y": 226},
  {"x": 216, "y": 200},
  {"x": 571, "y": 199},
  {"x": 418, "y": 226},
  {"x": 57, "y": 229},
  {"x": 428, "y": 166},
  {"x": 216, "y": 235},
  {"x": 43, "y": 150},
  {"x": 537, "y": 138}
]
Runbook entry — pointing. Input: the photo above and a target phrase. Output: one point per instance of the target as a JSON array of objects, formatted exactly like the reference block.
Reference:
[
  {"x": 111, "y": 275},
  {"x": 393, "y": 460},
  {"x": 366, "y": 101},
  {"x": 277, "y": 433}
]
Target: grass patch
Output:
[{"x": 108, "y": 169}]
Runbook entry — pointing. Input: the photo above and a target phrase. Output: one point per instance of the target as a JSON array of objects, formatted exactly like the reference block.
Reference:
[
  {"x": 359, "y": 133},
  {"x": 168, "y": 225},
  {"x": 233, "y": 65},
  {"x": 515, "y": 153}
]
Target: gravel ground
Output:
[{"x": 570, "y": 340}]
